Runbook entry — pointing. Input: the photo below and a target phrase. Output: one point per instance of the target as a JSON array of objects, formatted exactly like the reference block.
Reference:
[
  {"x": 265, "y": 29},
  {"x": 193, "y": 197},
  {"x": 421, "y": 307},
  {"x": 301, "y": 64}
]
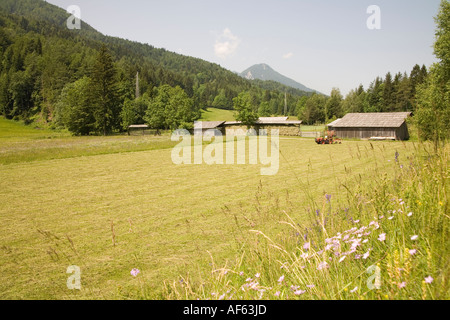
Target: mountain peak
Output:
[{"x": 263, "y": 71}]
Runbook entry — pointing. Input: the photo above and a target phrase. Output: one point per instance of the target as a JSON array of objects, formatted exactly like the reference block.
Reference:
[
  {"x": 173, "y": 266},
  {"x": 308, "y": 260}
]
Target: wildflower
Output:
[
  {"x": 381, "y": 217},
  {"x": 322, "y": 265},
  {"x": 375, "y": 224},
  {"x": 390, "y": 218},
  {"x": 257, "y": 275},
  {"x": 328, "y": 197},
  {"x": 277, "y": 294},
  {"x": 299, "y": 292},
  {"x": 354, "y": 289},
  {"x": 222, "y": 296},
  {"x": 356, "y": 243},
  {"x": 412, "y": 252},
  {"x": 382, "y": 237},
  {"x": 441, "y": 203},
  {"x": 135, "y": 272},
  {"x": 241, "y": 273},
  {"x": 310, "y": 286},
  {"x": 365, "y": 241},
  {"x": 342, "y": 259},
  {"x": 248, "y": 279},
  {"x": 414, "y": 237},
  {"x": 366, "y": 255},
  {"x": 294, "y": 288},
  {"x": 410, "y": 214},
  {"x": 357, "y": 256},
  {"x": 307, "y": 245},
  {"x": 280, "y": 280},
  {"x": 429, "y": 279},
  {"x": 402, "y": 285}
]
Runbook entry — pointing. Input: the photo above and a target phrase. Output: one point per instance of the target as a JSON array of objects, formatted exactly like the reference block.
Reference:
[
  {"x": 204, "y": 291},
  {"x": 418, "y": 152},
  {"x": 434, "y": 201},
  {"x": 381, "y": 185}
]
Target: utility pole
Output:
[
  {"x": 285, "y": 103},
  {"x": 137, "y": 85}
]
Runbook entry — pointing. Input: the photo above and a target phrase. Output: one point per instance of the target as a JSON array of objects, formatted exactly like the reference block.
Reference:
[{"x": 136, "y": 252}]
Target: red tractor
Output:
[{"x": 329, "y": 138}]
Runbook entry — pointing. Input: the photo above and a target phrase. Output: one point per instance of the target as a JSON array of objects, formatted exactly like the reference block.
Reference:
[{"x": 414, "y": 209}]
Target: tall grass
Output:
[{"x": 383, "y": 235}]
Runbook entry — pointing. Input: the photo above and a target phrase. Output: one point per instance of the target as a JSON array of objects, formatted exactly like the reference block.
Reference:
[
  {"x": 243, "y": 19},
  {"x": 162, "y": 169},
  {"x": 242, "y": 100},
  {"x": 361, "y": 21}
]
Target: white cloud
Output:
[
  {"x": 226, "y": 44},
  {"x": 288, "y": 55}
]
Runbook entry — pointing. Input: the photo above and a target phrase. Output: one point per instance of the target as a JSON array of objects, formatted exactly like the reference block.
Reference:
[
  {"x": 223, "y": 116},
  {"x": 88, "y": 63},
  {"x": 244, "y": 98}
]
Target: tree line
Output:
[{"x": 84, "y": 81}]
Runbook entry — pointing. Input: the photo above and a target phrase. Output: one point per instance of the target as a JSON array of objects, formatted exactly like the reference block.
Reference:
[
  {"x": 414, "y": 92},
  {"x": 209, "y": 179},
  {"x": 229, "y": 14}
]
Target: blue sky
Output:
[{"x": 321, "y": 44}]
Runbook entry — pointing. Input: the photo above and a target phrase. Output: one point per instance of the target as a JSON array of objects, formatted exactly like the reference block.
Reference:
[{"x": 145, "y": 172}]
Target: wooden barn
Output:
[
  {"x": 373, "y": 126},
  {"x": 214, "y": 128},
  {"x": 285, "y": 126}
]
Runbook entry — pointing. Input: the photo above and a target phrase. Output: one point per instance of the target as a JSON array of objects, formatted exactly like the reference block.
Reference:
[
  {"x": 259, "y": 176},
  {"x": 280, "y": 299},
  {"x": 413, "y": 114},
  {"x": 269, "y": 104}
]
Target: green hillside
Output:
[{"x": 214, "y": 114}]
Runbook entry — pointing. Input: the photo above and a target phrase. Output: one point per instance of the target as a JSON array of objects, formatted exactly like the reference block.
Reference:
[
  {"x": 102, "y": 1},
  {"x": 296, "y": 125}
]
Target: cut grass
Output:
[
  {"x": 214, "y": 114},
  {"x": 109, "y": 213}
]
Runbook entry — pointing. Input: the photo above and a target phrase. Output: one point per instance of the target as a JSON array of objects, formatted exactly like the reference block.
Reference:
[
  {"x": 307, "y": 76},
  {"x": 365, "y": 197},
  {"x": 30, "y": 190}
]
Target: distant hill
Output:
[{"x": 265, "y": 72}]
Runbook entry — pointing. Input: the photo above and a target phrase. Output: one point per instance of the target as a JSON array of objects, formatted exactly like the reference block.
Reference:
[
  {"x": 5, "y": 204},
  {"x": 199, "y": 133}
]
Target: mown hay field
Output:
[{"x": 111, "y": 204}]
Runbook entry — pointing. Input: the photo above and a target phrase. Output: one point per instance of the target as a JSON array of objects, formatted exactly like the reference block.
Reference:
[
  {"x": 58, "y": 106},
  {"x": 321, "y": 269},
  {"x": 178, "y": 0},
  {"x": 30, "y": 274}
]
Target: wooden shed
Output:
[
  {"x": 376, "y": 126},
  {"x": 212, "y": 127},
  {"x": 285, "y": 126}
]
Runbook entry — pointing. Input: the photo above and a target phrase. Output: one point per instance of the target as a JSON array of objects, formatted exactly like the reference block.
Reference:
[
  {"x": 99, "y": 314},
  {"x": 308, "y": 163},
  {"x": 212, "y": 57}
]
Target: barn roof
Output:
[
  {"x": 332, "y": 124},
  {"x": 268, "y": 120},
  {"x": 272, "y": 119},
  {"x": 207, "y": 124},
  {"x": 373, "y": 120}
]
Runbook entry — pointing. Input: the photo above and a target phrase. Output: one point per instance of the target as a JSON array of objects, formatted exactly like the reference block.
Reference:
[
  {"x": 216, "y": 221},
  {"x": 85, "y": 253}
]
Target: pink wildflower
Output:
[
  {"x": 429, "y": 279},
  {"x": 306, "y": 246},
  {"x": 322, "y": 265},
  {"x": 382, "y": 237},
  {"x": 135, "y": 272}
]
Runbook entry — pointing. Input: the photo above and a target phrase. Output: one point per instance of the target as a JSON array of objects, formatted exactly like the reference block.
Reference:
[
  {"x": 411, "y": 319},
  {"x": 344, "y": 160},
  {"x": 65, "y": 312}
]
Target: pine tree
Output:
[{"x": 104, "y": 93}]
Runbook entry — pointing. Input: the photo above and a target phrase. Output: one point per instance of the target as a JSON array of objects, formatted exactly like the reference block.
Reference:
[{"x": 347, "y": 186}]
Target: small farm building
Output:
[
  {"x": 374, "y": 126},
  {"x": 285, "y": 126}
]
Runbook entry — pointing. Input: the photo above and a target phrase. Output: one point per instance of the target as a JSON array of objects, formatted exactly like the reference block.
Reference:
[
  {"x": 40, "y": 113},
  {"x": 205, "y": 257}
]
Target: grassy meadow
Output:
[
  {"x": 214, "y": 114},
  {"x": 111, "y": 204}
]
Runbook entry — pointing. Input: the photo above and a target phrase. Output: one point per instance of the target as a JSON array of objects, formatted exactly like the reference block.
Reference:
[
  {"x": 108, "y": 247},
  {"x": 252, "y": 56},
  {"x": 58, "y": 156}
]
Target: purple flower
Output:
[
  {"x": 328, "y": 197},
  {"x": 322, "y": 265},
  {"x": 135, "y": 272},
  {"x": 307, "y": 245},
  {"x": 299, "y": 292},
  {"x": 429, "y": 279}
]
